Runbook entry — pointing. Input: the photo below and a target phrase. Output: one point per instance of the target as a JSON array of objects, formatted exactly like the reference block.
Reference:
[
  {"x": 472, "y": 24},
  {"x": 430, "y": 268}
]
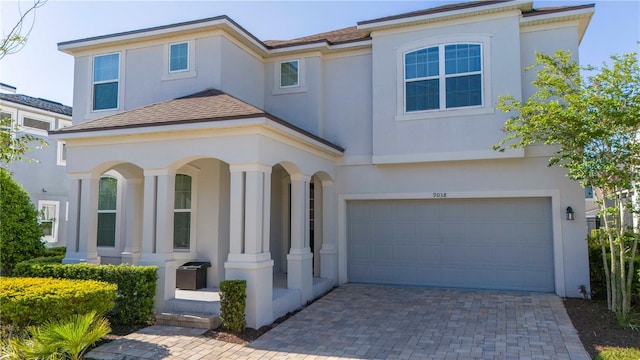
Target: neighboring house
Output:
[
  {"x": 43, "y": 173},
  {"x": 358, "y": 155}
]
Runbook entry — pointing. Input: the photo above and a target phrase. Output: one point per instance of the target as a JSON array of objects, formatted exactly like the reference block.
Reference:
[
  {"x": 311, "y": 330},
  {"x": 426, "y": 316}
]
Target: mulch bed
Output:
[
  {"x": 249, "y": 334},
  {"x": 598, "y": 327}
]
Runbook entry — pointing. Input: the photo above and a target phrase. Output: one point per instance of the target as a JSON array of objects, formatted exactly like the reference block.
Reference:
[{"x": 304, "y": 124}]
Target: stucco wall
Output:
[{"x": 455, "y": 133}]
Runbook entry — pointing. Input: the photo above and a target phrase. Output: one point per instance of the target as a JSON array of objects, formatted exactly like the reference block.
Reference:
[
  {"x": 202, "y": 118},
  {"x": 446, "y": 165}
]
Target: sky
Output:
[{"x": 40, "y": 70}]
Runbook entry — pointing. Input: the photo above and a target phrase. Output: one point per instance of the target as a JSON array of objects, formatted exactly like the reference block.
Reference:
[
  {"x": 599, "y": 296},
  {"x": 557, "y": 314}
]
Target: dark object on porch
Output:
[{"x": 192, "y": 275}]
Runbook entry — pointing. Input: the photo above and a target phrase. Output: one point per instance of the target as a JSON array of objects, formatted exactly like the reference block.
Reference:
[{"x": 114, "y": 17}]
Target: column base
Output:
[
  {"x": 329, "y": 264},
  {"x": 300, "y": 273},
  {"x": 131, "y": 258},
  {"x": 77, "y": 258},
  {"x": 259, "y": 277}
]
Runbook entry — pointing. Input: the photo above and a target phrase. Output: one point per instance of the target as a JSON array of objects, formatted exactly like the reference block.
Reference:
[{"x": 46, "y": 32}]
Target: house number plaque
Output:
[{"x": 439, "y": 195}]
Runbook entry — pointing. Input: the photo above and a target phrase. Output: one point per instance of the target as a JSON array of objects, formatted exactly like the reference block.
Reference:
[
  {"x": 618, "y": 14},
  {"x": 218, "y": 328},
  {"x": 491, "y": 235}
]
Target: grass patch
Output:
[{"x": 615, "y": 353}]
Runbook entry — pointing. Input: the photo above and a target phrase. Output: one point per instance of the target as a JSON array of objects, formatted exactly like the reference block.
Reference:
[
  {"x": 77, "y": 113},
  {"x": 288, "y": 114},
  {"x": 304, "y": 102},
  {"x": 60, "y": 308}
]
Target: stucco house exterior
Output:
[
  {"x": 357, "y": 155},
  {"x": 43, "y": 175}
]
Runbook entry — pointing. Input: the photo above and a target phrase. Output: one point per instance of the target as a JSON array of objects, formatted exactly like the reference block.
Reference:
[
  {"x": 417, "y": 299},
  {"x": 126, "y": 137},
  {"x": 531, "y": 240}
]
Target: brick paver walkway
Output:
[{"x": 382, "y": 322}]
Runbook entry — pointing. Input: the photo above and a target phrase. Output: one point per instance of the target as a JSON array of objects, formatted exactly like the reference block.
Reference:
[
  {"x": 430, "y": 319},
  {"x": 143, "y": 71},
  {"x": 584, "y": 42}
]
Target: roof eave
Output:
[
  {"x": 375, "y": 25},
  {"x": 582, "y": 14},
  {"x": 215, "y": 23},
  {"x": 269, "y": 121}
]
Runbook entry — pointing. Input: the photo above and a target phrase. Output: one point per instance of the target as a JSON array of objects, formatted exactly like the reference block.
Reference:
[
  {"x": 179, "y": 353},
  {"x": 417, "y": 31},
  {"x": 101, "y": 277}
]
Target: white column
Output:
[
  {"x": 73, "y": 235},
  {"x": 248, "y": 258},
  {"x": 85, "y": 219},
  {"x": 132, "y": 211},
  {"x": 149, "y": 215},
  {"x": 164, "y": 222},
  {"x": 329, "y": 251},
  {"x": 300, "y": 259},
  {"x": 236, "y": 211},
  {"x": 157, "y": 243}
]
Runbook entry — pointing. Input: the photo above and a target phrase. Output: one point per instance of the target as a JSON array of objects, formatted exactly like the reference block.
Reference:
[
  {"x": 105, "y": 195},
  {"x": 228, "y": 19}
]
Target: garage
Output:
[{"x": 500, "y": 244}]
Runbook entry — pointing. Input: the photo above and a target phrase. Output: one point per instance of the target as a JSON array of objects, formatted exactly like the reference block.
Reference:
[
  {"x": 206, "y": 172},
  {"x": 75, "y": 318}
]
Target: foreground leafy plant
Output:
[{"x": 63, "y": 339}]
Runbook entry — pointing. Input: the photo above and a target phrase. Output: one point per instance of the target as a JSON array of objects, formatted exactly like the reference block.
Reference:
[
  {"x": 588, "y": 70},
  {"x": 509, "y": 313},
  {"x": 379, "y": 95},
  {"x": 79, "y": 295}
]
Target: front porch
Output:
[{"x": 253, "y": 196}]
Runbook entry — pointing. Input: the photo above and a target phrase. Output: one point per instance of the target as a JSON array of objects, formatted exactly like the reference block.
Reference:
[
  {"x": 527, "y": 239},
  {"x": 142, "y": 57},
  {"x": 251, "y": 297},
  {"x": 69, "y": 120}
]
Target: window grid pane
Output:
[
  {"x": 464, "y": 91},
  {"x": 422, "y": 63},
  {"x": 182, "y": 192},
  {"x": 105, "y": 67},
  {"x": 107, "y": 229},
  {"x": 181, "y": 230},
  {"x": 462, "y": 58},
  {"x": 107, "y": 194},
  {"x": 179, "y": 57},
  {"x": 423, "y": 95},
  {"x": 289, "y": 73},
  {"x": 105, "y": 96}
]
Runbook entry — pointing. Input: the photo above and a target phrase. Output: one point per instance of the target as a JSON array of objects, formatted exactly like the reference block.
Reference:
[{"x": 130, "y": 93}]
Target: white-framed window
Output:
[
  {"x": 106, "y": 75},
  {"x": 182, "y": 212},
  {"x": 62, "y": 153},
  {"x": 36, "y": 124},
  {"x": 49, "y": 218},
  {"x": 179, "y": 57},
  {"x": 107, "y": 211},
  {"x": 444, "y": 76},
  {"x": 289, "y": 73},
  {"x": 8, "y": 123}
]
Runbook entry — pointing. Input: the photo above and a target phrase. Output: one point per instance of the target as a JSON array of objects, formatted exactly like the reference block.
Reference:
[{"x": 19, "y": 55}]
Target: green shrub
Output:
[
  {"x": 136, "y": 285},
  {"x": 20, "y": 230},
  {"x": 27, "y": 301},
  {"x": 232, "y": 304},
  {"x": 55, "y": 251},
  {"x": 618, "y": 354},
  {"x": 596, "y": 270},
  {"x": 21, "y": 267}
]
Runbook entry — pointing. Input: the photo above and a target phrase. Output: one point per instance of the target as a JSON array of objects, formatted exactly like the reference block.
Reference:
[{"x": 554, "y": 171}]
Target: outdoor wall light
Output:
[{"x": 569, "y": 213}]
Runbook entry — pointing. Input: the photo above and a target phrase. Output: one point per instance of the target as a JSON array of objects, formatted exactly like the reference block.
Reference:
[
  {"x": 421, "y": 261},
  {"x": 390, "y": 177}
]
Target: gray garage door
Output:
[{"x": 464, "y": 243}]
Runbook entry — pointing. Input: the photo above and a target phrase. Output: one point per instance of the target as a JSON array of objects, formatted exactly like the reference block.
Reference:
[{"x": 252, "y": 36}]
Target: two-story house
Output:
[
  {"x": 43, "y": 174},
  {"x": 357, "y": 155}
]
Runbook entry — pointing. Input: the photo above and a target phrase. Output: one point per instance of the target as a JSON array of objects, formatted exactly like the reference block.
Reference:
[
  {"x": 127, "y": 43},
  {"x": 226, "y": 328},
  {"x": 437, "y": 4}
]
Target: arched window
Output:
[
  {"x": 182, "y": 212},
  {"x": 444, "y": 76},
  {"x": 107, "y": 202}
]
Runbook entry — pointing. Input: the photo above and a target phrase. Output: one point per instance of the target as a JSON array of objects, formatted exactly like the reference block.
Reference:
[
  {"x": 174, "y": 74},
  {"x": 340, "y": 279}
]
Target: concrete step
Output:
[
  {"x": 189, "y": 319},
  {"x": 198, "y": 306}
]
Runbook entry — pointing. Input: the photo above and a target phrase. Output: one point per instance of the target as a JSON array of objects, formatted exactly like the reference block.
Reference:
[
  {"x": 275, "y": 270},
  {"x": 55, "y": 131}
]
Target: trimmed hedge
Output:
[
  {"x": 136, "y": 285},
  {"x": 31, "y": 301},
  {"x": 233, "y": 296},
  {"x": 22, "y": 267}
]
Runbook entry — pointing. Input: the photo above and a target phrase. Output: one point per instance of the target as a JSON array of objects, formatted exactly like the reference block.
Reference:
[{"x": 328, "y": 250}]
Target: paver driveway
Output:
[{"x": 382, "y": 322}]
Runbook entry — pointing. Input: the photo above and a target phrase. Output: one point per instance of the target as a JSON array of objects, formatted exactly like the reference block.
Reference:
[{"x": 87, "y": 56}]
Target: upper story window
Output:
[
  {"x": 289, "y": 75},
  {"x": 442, "y": 77},
  {"x": 36, "y": 124},
  {"x": 106, "y": 73},
  {"x": 179, "y": 57}
]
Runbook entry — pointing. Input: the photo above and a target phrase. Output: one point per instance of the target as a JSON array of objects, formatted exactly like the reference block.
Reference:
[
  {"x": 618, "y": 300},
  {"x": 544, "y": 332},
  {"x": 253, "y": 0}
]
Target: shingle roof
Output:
[
  {"x": 332, "y": 37},
  {"x": 435, "y": 10},
  {"x": 555, "y": 9},
  {"x": 37, "y": 103},
  {"x": 205, "y": 106}
]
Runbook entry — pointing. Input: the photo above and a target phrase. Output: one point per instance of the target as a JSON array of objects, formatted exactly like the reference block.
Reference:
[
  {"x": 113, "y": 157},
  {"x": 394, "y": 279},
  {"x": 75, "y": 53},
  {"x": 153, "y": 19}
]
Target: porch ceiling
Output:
[{"x": 207, "y": 108}]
